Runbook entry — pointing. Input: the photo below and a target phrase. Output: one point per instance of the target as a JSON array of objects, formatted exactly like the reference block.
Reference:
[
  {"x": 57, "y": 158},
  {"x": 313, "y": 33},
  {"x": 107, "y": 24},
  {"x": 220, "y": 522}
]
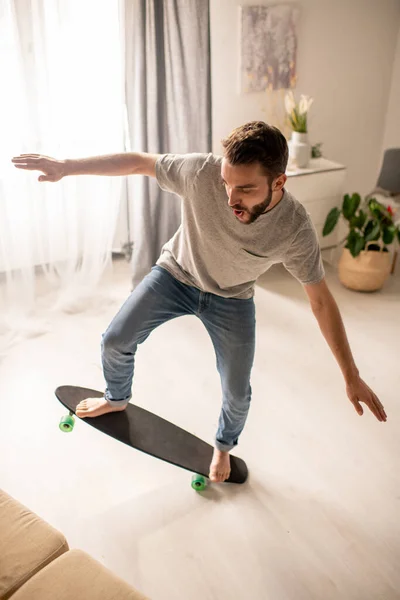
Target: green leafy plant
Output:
[
  {"x": 373, "y": 222},
  {"x": 316, "y": 151}
]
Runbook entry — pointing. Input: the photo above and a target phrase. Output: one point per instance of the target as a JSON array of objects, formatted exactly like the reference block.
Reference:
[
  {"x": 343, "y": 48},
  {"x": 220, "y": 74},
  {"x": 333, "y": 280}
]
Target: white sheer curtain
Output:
[{"x": 62, "y": 94}]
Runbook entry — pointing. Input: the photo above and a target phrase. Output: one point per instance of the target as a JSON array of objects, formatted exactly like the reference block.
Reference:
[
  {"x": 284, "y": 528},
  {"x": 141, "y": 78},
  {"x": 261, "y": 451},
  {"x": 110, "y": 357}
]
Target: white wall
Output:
[
  {"x": 345, "y": 59},
  {"x": 391, "y": 138}
]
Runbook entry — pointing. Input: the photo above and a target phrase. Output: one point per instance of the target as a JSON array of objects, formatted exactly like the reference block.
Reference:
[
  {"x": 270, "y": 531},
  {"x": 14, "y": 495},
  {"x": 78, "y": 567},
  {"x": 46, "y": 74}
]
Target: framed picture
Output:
[{"x": 268, "y": 47}]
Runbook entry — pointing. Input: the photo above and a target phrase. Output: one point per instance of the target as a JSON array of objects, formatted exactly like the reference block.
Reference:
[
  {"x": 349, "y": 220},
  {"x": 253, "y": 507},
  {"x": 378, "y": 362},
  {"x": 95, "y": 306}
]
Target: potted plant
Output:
[
  {"x": 365, "y": 261},
  {"x": 300, "y": 148}
]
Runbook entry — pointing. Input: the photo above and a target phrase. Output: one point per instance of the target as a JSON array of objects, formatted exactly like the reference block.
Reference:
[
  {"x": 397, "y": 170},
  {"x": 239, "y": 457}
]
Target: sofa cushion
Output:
[
  {"x": 76, "y": 575},
  {"x": 27, "y": 544}
]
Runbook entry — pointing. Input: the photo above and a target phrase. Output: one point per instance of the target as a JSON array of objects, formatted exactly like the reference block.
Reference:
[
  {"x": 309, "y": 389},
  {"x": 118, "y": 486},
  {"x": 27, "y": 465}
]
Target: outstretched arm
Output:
[
  {"x": 129, "y": 163},
  {"x": 330, "y": 321}
]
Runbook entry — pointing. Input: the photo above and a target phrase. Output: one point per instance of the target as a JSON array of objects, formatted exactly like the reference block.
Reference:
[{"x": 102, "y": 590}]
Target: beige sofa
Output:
[{"x": 37, "y": 564}]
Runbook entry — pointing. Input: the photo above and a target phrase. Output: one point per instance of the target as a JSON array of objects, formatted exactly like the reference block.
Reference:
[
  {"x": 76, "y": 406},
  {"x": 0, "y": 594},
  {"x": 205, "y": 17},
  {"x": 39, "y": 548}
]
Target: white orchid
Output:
[
  {"x": 297, "y": 113},
  {"x": 290, "y": 103},
  {"x": 305, "y": 104}
]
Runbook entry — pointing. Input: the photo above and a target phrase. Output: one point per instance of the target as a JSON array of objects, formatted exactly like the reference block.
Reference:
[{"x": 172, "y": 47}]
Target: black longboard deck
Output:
[{"x": 151, "y": 434}]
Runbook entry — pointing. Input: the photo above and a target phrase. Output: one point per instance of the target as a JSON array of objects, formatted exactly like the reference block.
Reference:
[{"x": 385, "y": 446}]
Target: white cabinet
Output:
[{"x": 319, "y": 188}]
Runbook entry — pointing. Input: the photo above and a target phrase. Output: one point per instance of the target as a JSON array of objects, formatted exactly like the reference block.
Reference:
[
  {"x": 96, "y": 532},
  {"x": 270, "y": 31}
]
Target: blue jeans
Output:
[{"x": 230, "y": 323}]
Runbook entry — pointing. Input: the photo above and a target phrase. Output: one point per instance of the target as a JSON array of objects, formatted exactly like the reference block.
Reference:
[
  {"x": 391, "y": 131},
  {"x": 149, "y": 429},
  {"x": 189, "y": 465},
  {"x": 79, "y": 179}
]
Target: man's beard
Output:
[{"x": 257, "y": 210}]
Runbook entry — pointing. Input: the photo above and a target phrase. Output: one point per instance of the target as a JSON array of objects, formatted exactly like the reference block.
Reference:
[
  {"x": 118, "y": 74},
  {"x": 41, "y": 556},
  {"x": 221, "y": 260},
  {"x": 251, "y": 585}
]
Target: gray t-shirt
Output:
[{"x": 213, "y": 251}]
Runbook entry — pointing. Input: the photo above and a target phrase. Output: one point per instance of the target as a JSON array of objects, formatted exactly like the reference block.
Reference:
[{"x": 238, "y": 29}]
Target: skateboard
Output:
[{"x": 151, "y": 434}]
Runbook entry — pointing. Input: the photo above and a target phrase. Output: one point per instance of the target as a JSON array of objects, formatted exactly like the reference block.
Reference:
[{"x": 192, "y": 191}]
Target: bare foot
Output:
[
  {"x": 94, "y": 407},
  {"x": 220, "y": 467}
]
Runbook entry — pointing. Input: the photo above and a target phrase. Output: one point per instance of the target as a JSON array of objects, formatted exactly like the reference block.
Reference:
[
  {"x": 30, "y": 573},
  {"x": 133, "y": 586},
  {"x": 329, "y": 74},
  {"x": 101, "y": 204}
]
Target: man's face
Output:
[{"x": 248, "y": 190}]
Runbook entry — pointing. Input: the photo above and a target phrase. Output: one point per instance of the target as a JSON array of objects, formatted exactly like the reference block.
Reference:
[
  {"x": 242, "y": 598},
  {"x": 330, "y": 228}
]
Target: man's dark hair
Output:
[{"x": 258, "y": 142}]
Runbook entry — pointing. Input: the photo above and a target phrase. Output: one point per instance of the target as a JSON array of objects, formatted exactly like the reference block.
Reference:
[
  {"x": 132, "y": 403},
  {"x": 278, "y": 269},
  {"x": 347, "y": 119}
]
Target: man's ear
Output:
[{"x": 279, "y": 183}]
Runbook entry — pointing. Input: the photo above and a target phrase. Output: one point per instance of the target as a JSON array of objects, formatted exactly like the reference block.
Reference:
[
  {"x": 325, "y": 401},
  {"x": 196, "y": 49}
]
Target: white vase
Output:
[{"x": 300, "y": 149}]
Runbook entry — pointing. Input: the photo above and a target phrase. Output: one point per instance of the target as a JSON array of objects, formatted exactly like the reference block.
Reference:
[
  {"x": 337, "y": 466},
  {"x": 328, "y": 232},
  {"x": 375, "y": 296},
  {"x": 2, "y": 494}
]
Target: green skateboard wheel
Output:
[
  {"x": 67, "y": 423},
  {"x": 199, "y": 483}
]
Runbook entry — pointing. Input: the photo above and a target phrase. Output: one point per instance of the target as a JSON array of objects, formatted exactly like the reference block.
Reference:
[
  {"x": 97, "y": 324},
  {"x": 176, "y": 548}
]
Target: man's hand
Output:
[
  {"x": 330, "y": 321},
  {"x": 358, "y": 391},
  {"x": 53, "y": 169}
]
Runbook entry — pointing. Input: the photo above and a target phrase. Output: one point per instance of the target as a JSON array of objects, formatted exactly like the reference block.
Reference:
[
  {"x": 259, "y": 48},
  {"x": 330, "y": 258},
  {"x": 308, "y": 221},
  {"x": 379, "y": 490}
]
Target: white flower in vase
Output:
[
  {"x": 300, "y": 148},
  {"x": 290, "y": 103},
  {"x": 305, "y": 104}
]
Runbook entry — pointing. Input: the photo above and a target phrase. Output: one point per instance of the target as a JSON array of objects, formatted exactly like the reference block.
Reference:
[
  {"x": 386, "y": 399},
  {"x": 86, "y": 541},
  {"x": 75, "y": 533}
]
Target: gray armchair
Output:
[
  {"x": 387, "y": 189},
  {"x": 389, "y": 177}
]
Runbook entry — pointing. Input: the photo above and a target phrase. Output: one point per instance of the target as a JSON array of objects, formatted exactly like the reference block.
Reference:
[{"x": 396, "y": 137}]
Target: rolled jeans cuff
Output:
[
  {"x": 112, "y": 402},
  {"x": 223, "y": 447}
]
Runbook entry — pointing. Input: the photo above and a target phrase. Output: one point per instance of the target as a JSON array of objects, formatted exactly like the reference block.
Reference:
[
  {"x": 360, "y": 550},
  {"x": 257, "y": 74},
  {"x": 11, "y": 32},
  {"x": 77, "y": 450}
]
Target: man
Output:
[{"x": 237, "y": 220}]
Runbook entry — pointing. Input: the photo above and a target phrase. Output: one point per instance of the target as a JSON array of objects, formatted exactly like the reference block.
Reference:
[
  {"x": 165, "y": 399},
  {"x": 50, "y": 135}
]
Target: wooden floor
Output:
[{"x": 320, "y": 515}]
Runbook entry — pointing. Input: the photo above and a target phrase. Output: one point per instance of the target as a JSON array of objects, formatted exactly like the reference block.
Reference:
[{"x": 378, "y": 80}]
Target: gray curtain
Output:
[{"x": 168, "y": 95}]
